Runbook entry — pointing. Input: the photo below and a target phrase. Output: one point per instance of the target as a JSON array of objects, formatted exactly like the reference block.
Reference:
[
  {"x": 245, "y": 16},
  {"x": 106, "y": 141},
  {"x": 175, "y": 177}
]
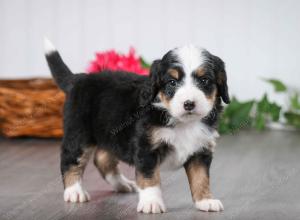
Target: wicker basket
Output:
[{"x": 30, "y": 108}]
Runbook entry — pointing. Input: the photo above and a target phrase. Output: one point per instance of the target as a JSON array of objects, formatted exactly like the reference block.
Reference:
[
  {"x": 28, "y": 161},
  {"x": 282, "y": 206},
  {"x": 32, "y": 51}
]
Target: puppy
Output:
[{"x": 165, "y": 121}]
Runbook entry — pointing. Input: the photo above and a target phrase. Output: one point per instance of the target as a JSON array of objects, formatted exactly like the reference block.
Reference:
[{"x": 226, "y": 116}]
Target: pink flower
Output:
[{"x": 111, "y": 60}]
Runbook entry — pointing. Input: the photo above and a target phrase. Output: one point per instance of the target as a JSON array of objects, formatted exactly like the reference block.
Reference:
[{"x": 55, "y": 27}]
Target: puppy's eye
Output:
[
  {"x": 204, "y": 81},
  {"x": 172, "y": 82}
]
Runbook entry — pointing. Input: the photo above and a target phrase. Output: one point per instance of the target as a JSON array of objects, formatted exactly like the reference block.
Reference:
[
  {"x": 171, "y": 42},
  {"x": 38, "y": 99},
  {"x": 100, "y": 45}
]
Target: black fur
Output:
[{"x": 61, "y": 73}]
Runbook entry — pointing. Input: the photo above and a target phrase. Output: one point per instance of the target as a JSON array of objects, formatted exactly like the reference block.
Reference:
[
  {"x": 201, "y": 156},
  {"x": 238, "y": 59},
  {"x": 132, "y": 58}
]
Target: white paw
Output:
[
  {"x": 209, "y": 205},
  {"x": 151, "y": 201},
  {"x": 120, "y": 183},
  {"x": 76, "y": 193},
  {"x": 151, "y": 206}
]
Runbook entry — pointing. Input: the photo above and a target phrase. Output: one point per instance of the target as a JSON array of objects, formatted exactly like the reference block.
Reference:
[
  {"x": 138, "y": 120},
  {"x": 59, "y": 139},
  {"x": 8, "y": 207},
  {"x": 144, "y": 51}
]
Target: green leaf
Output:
[
  {"x": 223, "y": 127},
  {"x": 293, "y": 119},
  {"x": 263, "y": 104},
  {"x": 260, "y": 122},
  {"x": 241, "y": 117},
  {"x": 295, "y": 103},
  {"x": 236, "y": 116},
  {"x": 144, "y": 63},
  {"x": 232, "y": 107},
  {"x": 274, "y": 111},
  {"x": 268, "y": 108},
  {"x": 278, "y": 85}
]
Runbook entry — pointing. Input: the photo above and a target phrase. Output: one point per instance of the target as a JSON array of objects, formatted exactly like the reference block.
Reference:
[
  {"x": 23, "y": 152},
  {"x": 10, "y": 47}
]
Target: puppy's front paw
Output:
[
  {"x": 121, "y": 184},
  {"x": 76, "y": 193},
  {"x": 151, "y": 206},
  {"x": 209, "y": 205},
  {"x": 151, "y": 201}
]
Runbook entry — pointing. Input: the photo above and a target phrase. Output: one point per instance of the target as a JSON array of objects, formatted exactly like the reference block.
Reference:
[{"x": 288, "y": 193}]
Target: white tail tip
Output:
[{"x": 48, "y": 46}]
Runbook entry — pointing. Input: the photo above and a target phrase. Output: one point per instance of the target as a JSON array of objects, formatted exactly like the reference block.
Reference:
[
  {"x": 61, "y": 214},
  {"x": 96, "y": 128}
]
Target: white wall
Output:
[{"x": 258, "y": 38}]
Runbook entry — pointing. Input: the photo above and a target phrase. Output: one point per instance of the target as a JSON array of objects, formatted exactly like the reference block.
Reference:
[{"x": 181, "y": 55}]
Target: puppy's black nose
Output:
[{"x": 189, "y": 105}]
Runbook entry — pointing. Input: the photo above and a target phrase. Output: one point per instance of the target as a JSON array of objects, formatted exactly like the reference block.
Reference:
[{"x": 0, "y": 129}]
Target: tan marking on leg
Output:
[
  {"x": 198, "y": 180},
  {"x": 75, "y": 172},
  {"x": 107, "y": 165},
  {"x": 144, "y": 182},
  {"x": 106, "y": 162},
  {"x": 174, "y": 73}
]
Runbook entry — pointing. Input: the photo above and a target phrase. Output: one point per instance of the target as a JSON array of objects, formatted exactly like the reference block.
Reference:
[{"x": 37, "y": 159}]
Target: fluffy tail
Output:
[{"x": 59, "y": 70}]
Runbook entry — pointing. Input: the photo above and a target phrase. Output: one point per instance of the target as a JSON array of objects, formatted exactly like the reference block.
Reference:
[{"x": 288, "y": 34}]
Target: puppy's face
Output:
[{"x": 187, "y": 81}]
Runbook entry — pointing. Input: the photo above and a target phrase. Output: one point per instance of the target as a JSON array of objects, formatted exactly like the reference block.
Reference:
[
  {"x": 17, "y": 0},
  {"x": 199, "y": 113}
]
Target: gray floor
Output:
[{"x": 256, "y": 175}]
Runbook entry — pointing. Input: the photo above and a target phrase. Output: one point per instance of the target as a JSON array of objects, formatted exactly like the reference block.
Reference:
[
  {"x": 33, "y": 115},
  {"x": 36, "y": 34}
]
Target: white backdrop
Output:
[{"x": 256, "y": 39}]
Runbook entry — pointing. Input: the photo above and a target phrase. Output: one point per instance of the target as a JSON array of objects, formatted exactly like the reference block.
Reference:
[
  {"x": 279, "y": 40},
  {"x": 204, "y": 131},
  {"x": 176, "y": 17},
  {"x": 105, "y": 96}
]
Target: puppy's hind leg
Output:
[
  {"x": 73, "y": 163},
  {"x": 107, "y": 165}
]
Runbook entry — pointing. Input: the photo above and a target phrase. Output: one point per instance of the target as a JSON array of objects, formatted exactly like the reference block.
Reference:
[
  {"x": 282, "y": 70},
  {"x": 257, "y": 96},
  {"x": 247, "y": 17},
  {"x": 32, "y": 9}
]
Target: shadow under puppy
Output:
[{"x": 165, "y": 121}]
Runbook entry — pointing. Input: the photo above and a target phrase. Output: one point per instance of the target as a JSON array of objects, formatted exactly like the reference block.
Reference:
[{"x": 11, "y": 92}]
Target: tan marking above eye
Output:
[
  {"x": 174, "y": 73},
  {"x": 200, "y": 72}
]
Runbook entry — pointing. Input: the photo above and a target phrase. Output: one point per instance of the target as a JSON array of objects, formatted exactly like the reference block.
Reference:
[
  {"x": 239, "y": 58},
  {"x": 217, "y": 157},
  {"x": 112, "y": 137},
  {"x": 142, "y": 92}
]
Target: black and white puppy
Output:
[{"x": 165, "y": 121}]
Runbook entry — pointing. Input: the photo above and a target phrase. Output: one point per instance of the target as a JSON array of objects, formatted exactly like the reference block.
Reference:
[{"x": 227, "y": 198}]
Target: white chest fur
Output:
[{"x": 185, "y": 139}]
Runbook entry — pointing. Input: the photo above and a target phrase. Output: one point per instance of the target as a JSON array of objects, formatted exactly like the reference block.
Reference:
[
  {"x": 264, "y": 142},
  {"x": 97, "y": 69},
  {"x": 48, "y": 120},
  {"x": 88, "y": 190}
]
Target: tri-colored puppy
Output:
[{"x": 167, "y": 120}]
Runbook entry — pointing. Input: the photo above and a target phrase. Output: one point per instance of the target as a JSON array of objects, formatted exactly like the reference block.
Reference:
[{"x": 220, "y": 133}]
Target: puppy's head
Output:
[{"x": 187, "y": 81}]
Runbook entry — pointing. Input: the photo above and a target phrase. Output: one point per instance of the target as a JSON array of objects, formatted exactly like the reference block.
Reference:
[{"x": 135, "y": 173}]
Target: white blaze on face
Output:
[{"x": 190, "y": 58}]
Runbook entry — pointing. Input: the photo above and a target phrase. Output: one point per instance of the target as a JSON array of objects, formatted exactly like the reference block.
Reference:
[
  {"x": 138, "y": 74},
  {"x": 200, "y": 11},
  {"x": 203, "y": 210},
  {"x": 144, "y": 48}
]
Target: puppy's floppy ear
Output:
[
  {"x": 220, "y": 73},
  {"x": 155, "y": 70},
  {"x": 149, "y": 89}
]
